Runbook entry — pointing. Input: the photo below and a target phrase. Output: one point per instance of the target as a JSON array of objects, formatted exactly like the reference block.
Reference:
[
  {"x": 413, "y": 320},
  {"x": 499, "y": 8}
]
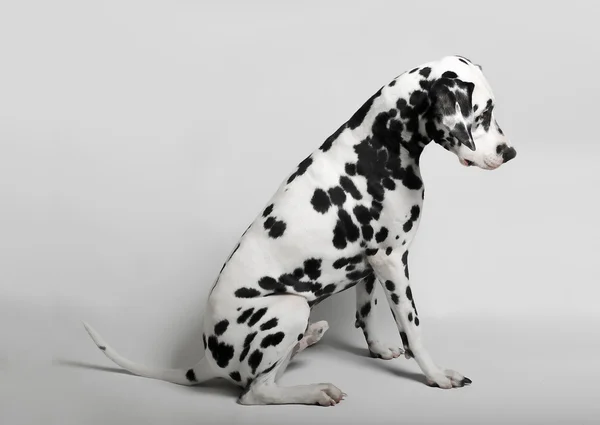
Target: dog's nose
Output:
[{"x": 507, "y": 153}]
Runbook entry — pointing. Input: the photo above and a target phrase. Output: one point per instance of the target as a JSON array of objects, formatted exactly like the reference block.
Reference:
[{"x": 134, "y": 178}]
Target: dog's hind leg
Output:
[
  {"x": 292, "y": 313},
  {"x": 365, "y": 302},
  {"x": 199, "y": 373}
]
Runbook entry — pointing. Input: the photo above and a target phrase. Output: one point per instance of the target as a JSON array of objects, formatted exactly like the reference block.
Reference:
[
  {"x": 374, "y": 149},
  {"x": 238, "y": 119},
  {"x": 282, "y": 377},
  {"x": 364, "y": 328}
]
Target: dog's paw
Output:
[
  {"x": 384, "y": 351},
  {"x": 328, "y": 395},
  {"x": 448, "y": 379}
]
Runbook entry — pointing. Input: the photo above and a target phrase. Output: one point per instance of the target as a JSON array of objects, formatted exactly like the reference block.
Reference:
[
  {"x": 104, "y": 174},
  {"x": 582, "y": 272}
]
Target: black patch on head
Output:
[
  {"x": 302, "y": 167},
  {"x": 270, "y": 324},
  {"x": 190, "y": 375},
  {"x": 255, "y": 359},
  {"x": 272, "y": 339},
  {"x": 449, "y": 74},
  {"x": 394, "y": 298},
  {"x": 220, "y": 351},
  {"x": 245, "y": 315},
  {"x": 381, "y": 235},
  {"x": 257, "y": 316},
  {"x": 268, "y": 211},
  {"x": 247, "y": 293},
  {"x": 320, "y": 201},
  {"x": 349, "y": 187},
  {"x": 337, "y": 195},
  {"x": 235, "y": 376},
  {"x": 221, "y": 327},
  {"x": 360, "y": 115}
]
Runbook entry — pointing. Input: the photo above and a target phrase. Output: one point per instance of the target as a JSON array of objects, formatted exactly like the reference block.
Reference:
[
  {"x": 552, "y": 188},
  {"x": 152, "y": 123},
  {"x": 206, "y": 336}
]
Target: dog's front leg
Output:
[
  {"x": 392, "y": 271},
  {"x": 365, "y": 302}
]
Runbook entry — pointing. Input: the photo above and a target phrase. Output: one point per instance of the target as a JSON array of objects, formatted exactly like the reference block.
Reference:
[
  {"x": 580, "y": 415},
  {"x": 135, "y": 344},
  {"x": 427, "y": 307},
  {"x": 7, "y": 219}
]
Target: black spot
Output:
[
  {"x": 360, "y": 115},
  {"x": 362, "y": 214},
  {"x": 255, "y": 359},
  {"x": 411, "y": 180},
  {"x": 381, "y": 235},
  {"x": 204, "y": 340},
  {"x": 390, "y": 285},
  {"x": 409, "y": 293},
  {"x": 277, "y": 229},
  {"x": 239, "y": 308},
  {"x": 302, "y": 167},
  {"x": 235, "y": 376},
  {"x": 269, "y": 324},
  {"x": 257, "y": 316},
  {"x": 312, "y": 268},
  {"x": 337, "y": 195},
  {"x": 389, "y": 250},
  {"x": 300, "y": 336},
  {"x": 247, "y": 342},
  {"x": 410, "y": 317},
  {"x": 345, "y": 230},
  {"x": 392, "y": 83},
  {"x": 405, "y": 258},
  {"x": 247, "y": 293},
  {"x": 416, "y": 321},
  {"x": 420, "y": 102},
  {"x": 449, "y": 74},
  {"x": 365, "y": 309},
  {"x": 270, "y": 368},
  {"x": 329, "y": 141},
  {"x": 371, "y": 251},
  {"x": 272, "y": 339},
  {"x": 404, "y": 339},
  {"x": 102, "y": 347},
  {"x": 349, "y": 187},
  {"x": 221, "y": 351},
  {"x": 350, "y": 169},
  {"x": 425, "y": 71},
  {"x": 244, "y": 316},
  {"x": 412, "y": 71},
  {"x": 367, "y": 232},
  {"x": 190, "y": 375},
  {"x": 299, "y": 273},
  {"x": 320, "y": 201},
  {"x": 414, "y": 215},
  {"x": 221, "y": 327},
  {"x": 268, "y": 210},
  {"x": 269, "y": 284},
  {"x": 395, "y": 298},
  {"x": 370, "y": 283}
]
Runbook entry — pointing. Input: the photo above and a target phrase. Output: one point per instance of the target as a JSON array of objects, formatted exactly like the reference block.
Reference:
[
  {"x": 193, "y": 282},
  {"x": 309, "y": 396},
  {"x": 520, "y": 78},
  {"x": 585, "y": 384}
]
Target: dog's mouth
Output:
[{"x": 466, "y": 162}]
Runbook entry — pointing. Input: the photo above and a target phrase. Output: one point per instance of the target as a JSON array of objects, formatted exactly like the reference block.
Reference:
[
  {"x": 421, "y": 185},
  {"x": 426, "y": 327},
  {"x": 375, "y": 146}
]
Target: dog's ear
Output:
[{"x": 451, "y": 105}]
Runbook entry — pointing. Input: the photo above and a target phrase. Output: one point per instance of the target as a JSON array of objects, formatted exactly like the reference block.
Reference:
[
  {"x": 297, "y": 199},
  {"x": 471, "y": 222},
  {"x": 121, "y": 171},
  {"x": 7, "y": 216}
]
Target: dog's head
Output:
[{"x": 461, "y": 115}]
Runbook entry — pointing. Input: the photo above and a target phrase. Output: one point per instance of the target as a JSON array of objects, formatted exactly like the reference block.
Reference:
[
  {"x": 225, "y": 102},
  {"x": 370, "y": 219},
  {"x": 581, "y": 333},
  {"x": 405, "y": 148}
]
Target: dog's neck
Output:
[{"x": 389, "y": 130}]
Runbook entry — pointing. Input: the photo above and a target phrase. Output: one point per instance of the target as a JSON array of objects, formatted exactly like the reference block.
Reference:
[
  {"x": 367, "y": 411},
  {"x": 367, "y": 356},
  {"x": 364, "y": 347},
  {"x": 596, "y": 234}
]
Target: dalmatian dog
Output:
[{"x": 345, "y": 217}]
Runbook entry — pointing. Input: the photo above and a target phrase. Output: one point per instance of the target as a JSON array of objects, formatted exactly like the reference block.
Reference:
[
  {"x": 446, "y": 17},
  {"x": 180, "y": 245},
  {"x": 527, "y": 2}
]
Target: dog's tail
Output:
[{"x": 199, "y": 373}]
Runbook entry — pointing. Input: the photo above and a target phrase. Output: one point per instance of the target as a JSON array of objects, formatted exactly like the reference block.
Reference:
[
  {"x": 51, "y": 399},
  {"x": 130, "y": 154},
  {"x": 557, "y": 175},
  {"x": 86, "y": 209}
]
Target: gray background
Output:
[{"x": 138, "y": 139}]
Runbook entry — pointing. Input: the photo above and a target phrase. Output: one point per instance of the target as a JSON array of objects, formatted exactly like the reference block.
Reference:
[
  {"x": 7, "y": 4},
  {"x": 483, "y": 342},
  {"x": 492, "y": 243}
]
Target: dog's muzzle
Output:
[{"x": 506, "y": 152}]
